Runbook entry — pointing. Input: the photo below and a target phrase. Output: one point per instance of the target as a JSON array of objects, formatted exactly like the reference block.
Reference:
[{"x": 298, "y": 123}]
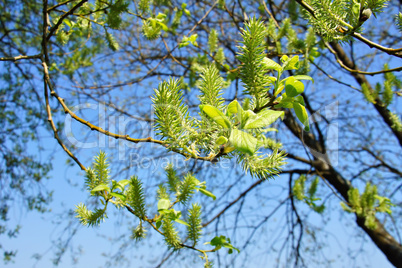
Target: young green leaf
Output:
[
  {"x": 290, "y": 63},
  {"x": 263, "y": 119},
  {"x": 303, "y": 77},
  {"x": 242, "y": 141},
  {"x": 285, "y": 102},
  {"x": 102, "y": 187},
  {"x": 234, "y": 107},
  {"x": 207, "y": 193},
  {"x": 123, "y": 183},
  {"x": 221, "y": 140},
  {"x": 301, "y": 113},
  {"x": 216, "y": 115},
  {"x": 163, "y": 204},
  {"x": 300, "y": 100},
  {"x": 182, "y": 222},
  {"x": 122, "y": 197},
  {"x": 222, "y": 241},
  {"x": 271, "y": 65},
  {"x": 293, "y": 87}
]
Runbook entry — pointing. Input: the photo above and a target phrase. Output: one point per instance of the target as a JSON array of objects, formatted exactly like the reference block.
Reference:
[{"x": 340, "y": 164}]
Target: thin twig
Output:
[
  {"x": 270, "y": 14},
  {"x": 333, "y": 78},
  {"x": 371, "y": 44},
  {"x": 60, "y": 21},
  {"x": 46, "y": 84},
  {"x": 21, "y": 57},
  {"x": 398, "y": 69},
  {"x": 58, "y": 5}
]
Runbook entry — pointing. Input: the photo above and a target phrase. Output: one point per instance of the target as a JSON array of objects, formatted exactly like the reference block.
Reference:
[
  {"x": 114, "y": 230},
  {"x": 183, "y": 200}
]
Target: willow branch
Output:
[
  {"x": 390, "y": 51},
  {"x": 58, "y": 5},
  {"x": 21, "y": 57},
  {"x": 398, "y": 69},
  {"x": 60, "y": 21},
  {"x": 47, "y": 84}
]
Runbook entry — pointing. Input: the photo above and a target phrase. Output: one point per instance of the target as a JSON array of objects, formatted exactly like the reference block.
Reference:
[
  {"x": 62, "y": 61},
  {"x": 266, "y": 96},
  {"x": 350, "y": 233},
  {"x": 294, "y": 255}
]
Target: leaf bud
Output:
[{"x": 365, "y": 14}]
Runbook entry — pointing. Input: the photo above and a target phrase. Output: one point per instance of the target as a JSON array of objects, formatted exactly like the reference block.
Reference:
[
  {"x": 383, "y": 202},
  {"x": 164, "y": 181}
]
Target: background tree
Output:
[{"x": 114, "y": 52}]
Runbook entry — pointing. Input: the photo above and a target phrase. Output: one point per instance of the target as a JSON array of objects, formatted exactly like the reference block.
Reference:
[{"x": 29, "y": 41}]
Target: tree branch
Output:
[
  {"x": 380, "y": 236},
  {"x": 21, "y": 57},
  {"x": 361, "y": 79}
]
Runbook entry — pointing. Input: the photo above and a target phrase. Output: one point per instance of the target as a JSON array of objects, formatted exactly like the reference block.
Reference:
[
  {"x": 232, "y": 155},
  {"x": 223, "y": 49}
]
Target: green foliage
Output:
[
  {"x": 391, "y": 83},
  {"x": 298, "y": 187},
  {"x": 88, "y": 217},
  {"x": 162, "y": 192},
  {"x": 139, "y": 232},
  {"x": 178, "y": 16},
  {"x": 115, "y": 11},
  {"x": 223, "y": 129},
  {"x": 396, "y": 122},
  {"x": 187, "y": 188},
  {"x": 172, "y": 119},
  {"x": 213, "y": 41},
  {"x": 111, "y": 41},
  {"x": 376, "y": 5},
  {"x": 334, "y": 20},
  {"x": 62, "y": 37},
  {"x": 136, "y": 197},
  {"x": 384, "y": 91},
  {"x": 251, "y": 55},
  {"x": 310, "y": 198},
  {"x": 210, "y": 86},
  {"x": 153, "y": 26},
  {"x": 295, "y": 44},
  {"x": 220, "y": 56},
  {"x": 151, "y": 31},
  {"x": 173, "y": 179},
  {"x": 262, "y": 166},
  {"x": 194, "y": 227},
  {"x": 398, "y": 21},
  {"x": 240, "y": 123},
  {"x": 144, "y": 6},
  {"x": 98, "y": 174},
  {"x": 369, "y": 95},
  {"x": 222, "y": 241},
  {"x": 192, "y": 39},
  {"x": 130, "y": 194},
  {"x": 170, "y": 234},
  {"x": 329, "y": 17},
  {"x": 291, "y": 98},
  {"x": 367, "y": 205}
]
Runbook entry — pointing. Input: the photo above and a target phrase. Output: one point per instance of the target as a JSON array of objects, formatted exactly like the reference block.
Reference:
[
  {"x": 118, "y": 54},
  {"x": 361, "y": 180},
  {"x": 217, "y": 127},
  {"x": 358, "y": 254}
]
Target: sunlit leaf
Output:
[
  {"x": 303, "y": 77},
  {"x": 293, "y": 87},
  {"x": 301, "y": 113},
  {"x": 207, "y": 193},
  {"x": 102, "y": 187},
  {"x": 263, "y": 119},
  {"x": 216, "y": 115},
  {"x": 270, "y": 64},
  {"x": 163, "y": 204},
  {"x": 242, "y": 141},
  {"x": 120, "y": 196},
  {"x": 182, "y": 222}
]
